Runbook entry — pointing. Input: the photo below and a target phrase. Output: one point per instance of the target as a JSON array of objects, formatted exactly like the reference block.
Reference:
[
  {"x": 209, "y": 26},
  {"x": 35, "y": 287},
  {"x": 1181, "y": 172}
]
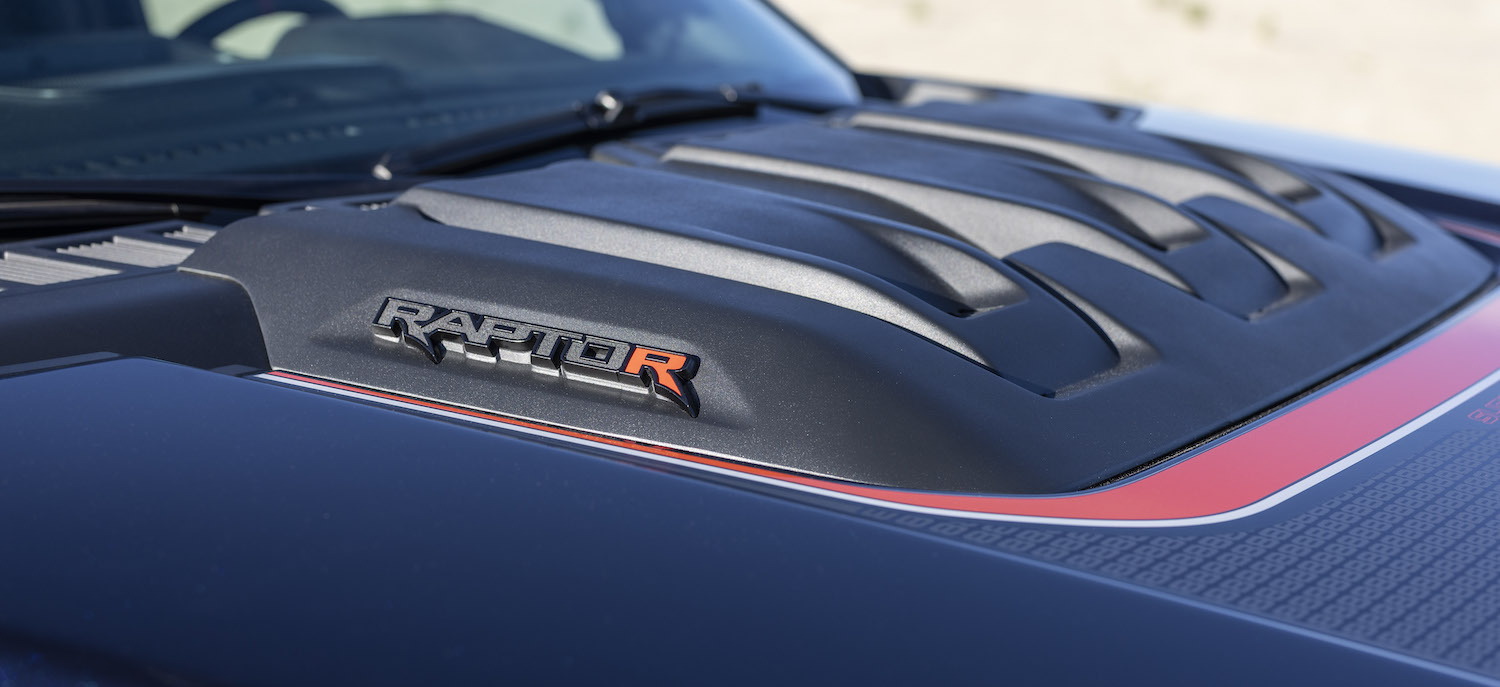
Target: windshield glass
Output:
[{"x": 133, "y": 88}]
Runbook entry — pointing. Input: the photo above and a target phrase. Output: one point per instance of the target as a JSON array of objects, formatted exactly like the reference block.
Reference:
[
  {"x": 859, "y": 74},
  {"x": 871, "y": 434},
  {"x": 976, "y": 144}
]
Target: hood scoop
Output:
[{"x": 999, "y": 297}]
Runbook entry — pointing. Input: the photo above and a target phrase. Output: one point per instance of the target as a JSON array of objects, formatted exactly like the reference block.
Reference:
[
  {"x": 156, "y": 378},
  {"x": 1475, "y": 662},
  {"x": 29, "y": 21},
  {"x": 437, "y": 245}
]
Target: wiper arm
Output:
[{"x": 607, "y": 116}]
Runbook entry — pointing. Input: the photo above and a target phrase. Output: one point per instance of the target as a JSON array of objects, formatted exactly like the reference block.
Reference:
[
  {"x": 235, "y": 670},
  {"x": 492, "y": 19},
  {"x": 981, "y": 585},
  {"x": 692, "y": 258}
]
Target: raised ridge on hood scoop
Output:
[{"x": 914, "y": 306}]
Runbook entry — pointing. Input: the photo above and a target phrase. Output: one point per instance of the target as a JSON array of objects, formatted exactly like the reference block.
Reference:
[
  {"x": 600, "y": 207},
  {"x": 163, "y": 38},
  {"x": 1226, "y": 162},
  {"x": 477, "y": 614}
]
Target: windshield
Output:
[{"x": 136, "y": 88}]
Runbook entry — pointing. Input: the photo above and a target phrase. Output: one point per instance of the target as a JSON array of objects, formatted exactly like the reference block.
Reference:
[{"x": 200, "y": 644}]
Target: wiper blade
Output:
[
  {"x": 52, "y": 215},
  {"x": 608, "y": 115},
  {"x": 218, "y": 190},
  {"x": 39, "y": 207}
]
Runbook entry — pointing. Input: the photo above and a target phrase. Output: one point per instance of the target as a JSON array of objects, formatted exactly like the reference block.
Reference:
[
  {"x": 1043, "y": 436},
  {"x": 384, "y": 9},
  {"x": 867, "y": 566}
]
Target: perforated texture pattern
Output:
[{"x": 1406, "y": 559}]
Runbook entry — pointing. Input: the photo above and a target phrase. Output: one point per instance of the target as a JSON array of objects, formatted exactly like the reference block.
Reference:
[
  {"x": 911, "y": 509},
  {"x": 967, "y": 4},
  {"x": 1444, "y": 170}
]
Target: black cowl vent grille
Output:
[{"x": 1024, "y": 294}]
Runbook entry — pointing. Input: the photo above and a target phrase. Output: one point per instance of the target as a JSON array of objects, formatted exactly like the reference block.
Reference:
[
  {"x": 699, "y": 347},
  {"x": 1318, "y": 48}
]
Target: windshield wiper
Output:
[
  {"x": 38, "y": 207},
  {"x": 45, "y": 216},
  {"x": 225, "y": 190},
  {"x": 608, "y": 115}
]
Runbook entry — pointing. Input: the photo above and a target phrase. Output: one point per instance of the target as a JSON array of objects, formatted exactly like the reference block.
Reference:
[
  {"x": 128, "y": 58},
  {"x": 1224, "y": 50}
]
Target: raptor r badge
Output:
[{"x": 585, "y": 357}]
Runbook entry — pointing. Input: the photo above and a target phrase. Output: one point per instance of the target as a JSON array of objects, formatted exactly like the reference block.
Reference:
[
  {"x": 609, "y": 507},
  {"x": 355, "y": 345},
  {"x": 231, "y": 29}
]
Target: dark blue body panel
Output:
[
  {"x": 233, "y": 531},
  {"x": 946, "y": 335}
]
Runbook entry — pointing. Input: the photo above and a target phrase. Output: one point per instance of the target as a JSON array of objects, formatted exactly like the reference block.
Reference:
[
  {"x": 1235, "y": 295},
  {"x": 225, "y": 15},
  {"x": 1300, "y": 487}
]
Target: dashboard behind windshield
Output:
[{"x": 129, "y": 88}]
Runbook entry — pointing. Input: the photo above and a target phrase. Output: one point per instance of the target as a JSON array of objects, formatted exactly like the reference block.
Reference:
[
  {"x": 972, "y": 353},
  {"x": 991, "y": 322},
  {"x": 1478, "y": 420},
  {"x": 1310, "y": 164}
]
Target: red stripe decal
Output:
[
  {"x": 1232, "y": 474},
  {"x": 1482, "y": 235}
]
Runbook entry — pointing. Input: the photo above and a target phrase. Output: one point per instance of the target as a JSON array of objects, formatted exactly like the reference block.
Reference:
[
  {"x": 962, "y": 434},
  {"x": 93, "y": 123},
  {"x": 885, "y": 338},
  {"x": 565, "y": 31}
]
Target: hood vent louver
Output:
[
  {"x": 993, "y": 224},
  {"x": 191, "y": 234},
  {"x": 130, "y": 251},
  {"x": 124, "y": 251},
  {"x": 1172, "y": 181},
  {"x": 38, "y": 271}
]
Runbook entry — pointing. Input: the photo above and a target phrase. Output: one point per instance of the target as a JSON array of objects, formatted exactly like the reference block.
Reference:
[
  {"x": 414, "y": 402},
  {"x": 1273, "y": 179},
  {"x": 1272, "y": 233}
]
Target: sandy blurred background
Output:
[{"x": 1421, "y": 74}]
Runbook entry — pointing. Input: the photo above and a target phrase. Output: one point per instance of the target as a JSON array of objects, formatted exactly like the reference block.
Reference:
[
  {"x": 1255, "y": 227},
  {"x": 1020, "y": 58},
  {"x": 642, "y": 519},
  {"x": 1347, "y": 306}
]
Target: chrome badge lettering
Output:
[{"x": 438, "y": 332}]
